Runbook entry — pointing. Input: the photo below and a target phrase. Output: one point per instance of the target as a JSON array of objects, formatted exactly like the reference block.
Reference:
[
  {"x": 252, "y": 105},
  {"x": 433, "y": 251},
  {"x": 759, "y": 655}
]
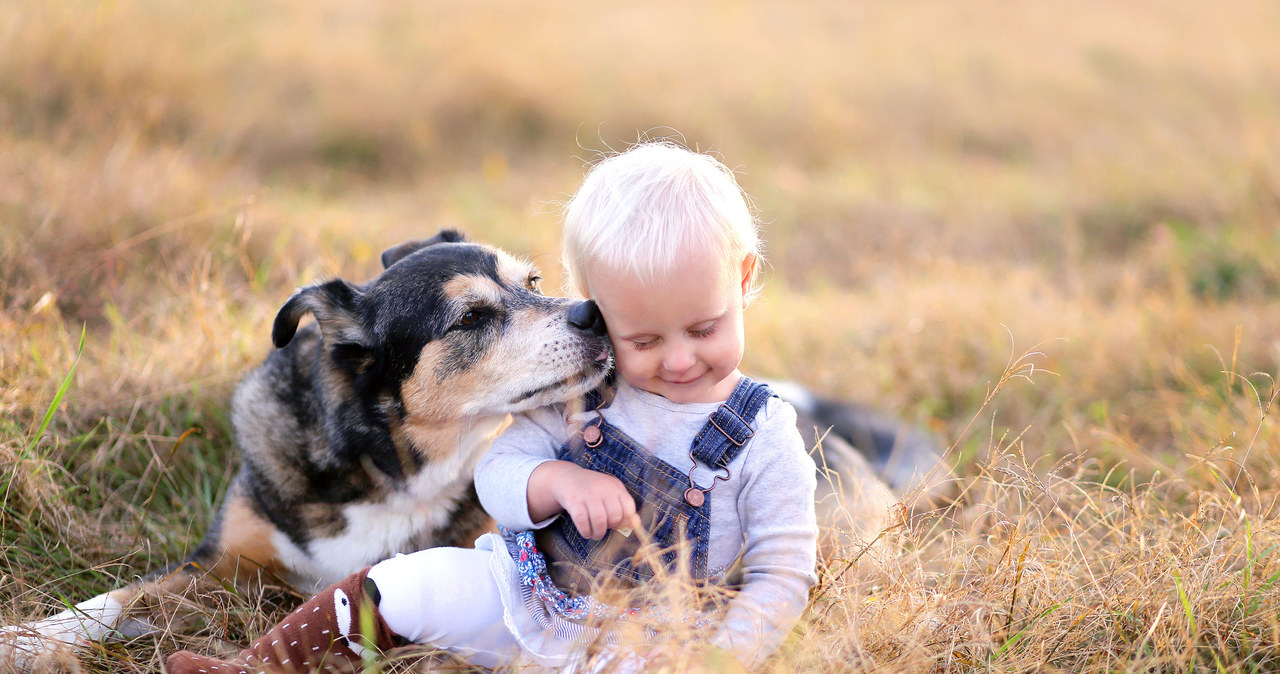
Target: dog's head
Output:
[{"x": 451, "y": 329}]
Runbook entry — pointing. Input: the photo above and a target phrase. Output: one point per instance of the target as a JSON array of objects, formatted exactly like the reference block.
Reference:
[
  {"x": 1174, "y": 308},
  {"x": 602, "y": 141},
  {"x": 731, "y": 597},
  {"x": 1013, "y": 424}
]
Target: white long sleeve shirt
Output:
[{"x": 763, "y": 513}]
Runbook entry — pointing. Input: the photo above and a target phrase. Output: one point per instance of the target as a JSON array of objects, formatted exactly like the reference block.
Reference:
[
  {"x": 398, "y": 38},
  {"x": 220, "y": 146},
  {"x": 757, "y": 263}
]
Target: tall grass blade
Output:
[
  {"x": 1186, "y": 603},
  {"x": 1013, "y": 640},
  {"x": 57, "y": 399}
]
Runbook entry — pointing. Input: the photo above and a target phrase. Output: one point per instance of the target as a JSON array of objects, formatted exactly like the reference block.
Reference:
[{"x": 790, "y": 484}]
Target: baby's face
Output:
[{"x": 681, "y": 337}]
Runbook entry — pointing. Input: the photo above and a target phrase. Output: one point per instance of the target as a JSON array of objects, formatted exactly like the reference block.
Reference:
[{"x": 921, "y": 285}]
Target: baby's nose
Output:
[{"x": 678, "y": 359}]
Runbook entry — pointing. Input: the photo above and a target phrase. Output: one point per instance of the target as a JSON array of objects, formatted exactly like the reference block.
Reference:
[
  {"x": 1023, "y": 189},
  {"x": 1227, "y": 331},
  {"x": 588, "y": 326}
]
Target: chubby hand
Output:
[{"x": 595, "y": 501}]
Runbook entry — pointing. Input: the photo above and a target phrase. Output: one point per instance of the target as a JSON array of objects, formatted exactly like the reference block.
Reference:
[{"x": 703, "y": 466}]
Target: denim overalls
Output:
[{"x": 676, "y": 512}]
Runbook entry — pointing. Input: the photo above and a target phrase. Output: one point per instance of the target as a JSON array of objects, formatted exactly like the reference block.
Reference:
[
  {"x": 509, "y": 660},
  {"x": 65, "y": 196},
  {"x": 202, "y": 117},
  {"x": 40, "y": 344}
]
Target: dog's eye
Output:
[
  {"x": 469, "y": 318},
  {"x": 534, "y": 284}
]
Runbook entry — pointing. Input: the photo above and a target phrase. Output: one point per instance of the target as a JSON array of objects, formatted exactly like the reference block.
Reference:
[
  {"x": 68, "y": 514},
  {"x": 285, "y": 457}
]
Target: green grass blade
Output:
[
  {"x": 1186, "y": 603},
  {"x": 57, "y": 399},
  {"x": 1013, "y": 640}
]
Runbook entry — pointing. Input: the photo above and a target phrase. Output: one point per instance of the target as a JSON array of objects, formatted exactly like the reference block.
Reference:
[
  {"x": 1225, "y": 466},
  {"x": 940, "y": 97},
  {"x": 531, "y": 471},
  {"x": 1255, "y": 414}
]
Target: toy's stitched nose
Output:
[{"x": 586, "y": 316}]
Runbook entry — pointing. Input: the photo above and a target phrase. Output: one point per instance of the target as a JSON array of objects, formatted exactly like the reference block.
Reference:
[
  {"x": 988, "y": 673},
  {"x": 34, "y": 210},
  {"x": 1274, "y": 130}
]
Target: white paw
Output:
[
  {"x": 22, "y": 645},
  {"x": 90, "y": 621}
]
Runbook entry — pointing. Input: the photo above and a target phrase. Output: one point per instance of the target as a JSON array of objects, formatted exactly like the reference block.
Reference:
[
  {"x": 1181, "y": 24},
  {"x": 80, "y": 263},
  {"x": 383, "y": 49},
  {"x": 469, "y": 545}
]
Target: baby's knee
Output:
[{"x": 429, "y": 595}]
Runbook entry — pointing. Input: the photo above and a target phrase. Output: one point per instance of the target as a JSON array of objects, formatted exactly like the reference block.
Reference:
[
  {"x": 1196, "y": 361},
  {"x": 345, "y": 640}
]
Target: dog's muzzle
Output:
[{"x": 586, "y": 316}]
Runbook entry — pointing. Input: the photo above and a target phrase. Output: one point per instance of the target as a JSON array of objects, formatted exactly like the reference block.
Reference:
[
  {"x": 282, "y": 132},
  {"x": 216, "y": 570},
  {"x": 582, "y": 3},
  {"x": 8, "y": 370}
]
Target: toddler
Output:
[{"x": 681, "y": 454}]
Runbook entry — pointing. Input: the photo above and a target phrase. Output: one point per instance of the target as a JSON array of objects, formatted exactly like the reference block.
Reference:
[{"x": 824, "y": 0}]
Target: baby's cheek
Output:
[{"x": 629, "y": 365}]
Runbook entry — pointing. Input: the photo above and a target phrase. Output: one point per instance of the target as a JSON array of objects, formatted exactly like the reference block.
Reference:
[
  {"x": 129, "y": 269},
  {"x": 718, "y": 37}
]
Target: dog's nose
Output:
[{"x": 586, "y": 316}]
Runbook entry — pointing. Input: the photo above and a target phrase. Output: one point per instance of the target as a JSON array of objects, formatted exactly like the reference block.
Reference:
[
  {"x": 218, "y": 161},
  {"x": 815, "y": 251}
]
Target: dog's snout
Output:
[{"x": 586, "y": 316}]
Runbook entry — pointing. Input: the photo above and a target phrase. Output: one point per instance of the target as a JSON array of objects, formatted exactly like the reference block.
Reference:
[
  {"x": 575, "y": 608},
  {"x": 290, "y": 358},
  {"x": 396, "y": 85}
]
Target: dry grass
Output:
[{"x": 1078, "y": 206}]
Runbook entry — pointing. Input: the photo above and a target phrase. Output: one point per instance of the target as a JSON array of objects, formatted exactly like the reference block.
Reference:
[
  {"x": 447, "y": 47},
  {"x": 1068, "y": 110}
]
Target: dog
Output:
[{"x": 359, "y": 433}]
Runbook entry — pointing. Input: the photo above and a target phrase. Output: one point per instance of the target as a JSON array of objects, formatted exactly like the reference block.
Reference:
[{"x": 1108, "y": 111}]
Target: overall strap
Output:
[{"x": 729, "y": 427}]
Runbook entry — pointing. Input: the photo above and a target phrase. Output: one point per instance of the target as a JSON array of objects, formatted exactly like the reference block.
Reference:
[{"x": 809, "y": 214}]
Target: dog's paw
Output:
[{"x": 23, "y": 648}]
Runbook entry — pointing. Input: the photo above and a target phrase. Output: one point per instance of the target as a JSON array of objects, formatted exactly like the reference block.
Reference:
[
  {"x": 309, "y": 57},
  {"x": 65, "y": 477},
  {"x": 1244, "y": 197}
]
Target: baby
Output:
[{"x": 681, "y": 454}]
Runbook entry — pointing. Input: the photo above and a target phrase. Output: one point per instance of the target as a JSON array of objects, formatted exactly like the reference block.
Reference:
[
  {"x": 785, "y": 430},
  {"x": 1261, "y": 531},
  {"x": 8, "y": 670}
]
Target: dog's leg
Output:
[
  {"x": 906, "y": 457},
  {"x": 236, "y": 549},
  {"x": 851, "y": 500},
  {"x": 140, "y": 608}
]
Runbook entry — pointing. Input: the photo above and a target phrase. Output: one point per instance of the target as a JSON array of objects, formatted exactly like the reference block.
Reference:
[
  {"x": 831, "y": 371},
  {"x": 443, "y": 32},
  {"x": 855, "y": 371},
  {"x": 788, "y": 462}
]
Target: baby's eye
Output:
[
  {"x": 645, "y": 344},
  {"x": 705, "y": 332}
]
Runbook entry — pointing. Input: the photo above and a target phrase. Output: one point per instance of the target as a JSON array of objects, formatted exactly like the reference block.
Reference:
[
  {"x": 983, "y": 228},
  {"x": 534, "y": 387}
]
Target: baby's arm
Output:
[
  {"x": 596, "y": 502},
  {"x": 502, "y": 474},
  {"x": 522, "y": 485},
  {"x": 777, "y": 513}
]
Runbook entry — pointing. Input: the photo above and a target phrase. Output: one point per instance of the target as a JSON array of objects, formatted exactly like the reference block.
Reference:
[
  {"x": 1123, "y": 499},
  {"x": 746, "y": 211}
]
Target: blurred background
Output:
[{"x": 1076, "y": 203}]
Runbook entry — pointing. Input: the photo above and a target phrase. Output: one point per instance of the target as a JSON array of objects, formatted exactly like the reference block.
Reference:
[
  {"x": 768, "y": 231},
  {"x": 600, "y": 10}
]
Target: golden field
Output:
[{"x": 1049, "y": 232}]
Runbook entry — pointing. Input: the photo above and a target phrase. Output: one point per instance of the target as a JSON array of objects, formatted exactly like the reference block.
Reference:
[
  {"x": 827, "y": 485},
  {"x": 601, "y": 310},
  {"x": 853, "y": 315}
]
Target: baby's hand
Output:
[{"x": 595, "y": 501}]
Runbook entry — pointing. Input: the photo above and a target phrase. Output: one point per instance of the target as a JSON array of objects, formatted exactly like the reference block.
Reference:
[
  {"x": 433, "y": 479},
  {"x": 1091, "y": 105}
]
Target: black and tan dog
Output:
[{"x": 358, "y": 435}]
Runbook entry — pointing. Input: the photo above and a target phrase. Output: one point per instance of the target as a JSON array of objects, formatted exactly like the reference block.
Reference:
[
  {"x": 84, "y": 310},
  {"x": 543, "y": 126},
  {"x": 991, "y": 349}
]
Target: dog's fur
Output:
[{"x": 359, "y": 434}]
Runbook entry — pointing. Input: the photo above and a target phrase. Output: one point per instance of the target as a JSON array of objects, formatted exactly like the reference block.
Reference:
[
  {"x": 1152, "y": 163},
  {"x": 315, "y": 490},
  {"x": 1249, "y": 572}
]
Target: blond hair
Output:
[{"x": 641, "y": 211}]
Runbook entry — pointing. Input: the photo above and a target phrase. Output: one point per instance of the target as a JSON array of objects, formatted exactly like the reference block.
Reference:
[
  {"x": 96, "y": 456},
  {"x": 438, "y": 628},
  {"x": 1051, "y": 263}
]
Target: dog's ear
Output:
[
  {"x": 335, "y": 306},
  {"x": 394, "y": 255}
]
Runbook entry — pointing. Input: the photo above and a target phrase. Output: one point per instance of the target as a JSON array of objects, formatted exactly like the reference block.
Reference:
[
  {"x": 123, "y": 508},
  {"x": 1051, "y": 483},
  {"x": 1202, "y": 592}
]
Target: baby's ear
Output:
[{"x": 748, "y": 275}]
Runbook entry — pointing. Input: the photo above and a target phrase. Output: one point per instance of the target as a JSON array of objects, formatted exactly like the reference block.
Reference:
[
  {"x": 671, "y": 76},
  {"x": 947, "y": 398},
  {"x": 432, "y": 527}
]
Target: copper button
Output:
[
  {"x": 694, "y": 497},
  {"x": 592, "y": 435}
]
